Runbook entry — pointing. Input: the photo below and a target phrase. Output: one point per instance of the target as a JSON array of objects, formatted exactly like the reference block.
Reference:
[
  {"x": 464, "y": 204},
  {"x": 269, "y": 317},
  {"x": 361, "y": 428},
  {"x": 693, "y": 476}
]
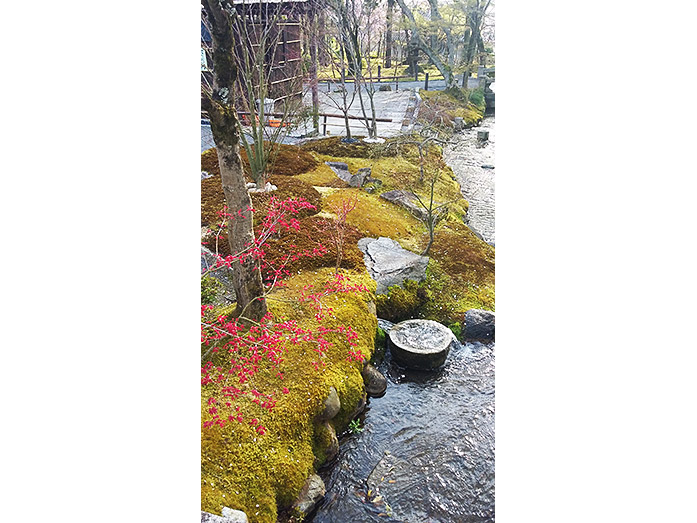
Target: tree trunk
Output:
[
  {"x": 388, "y": 35},
  {"x": 324, "y": 58},
  {"x": 224, "y": 126},
  {"x": 313, "y": 71},
  {"x": 431, "y": 53}
]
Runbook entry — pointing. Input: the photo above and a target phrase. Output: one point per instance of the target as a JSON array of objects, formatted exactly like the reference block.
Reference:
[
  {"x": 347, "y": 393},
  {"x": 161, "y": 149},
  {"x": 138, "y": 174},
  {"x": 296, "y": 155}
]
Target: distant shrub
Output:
[{"x": 476, "y": 96}]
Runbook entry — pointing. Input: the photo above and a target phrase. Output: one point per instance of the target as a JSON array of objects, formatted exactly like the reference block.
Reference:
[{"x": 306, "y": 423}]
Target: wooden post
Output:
[
  {"x": 396, "y": 88},
  {"x": 464, "y": 80},
  {"x": 426, "y": 83},
  {"x": 378, "y": 74},
  {"x": 324, "y": 123}
]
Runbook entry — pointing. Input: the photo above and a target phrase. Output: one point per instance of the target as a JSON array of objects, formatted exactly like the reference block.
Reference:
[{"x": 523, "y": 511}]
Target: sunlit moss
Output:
[
  {"x": 440, "y": 107},
  {"x": 263, "y": 475}
]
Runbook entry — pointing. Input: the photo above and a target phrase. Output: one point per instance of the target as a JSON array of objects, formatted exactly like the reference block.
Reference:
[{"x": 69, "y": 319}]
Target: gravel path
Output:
[{"x": 466, "y": 158}]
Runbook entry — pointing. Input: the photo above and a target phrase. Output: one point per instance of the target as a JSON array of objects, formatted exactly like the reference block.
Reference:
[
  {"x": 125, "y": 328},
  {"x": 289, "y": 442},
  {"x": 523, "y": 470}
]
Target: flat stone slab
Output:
[
  {"x": 405, "y": 200},
  {"x": 420, "y": 344},
  {"x": 389, "y": 264}
]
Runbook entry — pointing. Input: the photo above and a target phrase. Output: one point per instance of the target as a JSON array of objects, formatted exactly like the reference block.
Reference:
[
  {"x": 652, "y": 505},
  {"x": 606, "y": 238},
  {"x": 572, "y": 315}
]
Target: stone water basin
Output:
[{"x": 420, "y": 344}]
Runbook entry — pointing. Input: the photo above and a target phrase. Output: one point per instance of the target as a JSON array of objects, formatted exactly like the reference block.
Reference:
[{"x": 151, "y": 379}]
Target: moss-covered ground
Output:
[
  {"x": 439, "y": 108},
  {"x": 263, "y": 474}
]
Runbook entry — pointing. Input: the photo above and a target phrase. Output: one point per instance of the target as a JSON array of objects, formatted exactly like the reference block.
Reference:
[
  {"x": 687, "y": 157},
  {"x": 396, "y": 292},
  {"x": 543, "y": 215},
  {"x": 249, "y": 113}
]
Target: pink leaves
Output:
[{"x": 256, "y": 354}]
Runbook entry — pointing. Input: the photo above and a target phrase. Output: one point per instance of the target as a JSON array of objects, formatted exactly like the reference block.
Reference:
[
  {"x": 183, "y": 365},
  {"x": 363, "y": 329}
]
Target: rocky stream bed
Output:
[{"x": 425, "y": 453}]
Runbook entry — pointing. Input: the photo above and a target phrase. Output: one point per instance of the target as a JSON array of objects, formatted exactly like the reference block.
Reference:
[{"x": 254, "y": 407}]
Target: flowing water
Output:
[
  {"x": 426, "y": 452},
  {"x": 472, "y": 162}
]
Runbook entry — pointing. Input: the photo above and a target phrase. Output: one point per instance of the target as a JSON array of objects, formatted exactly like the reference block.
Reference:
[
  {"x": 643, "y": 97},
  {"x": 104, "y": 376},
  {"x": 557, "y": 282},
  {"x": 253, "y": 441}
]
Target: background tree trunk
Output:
[
  {"x": 388, "y": 34},
  {"x": 427, "y": 49}
]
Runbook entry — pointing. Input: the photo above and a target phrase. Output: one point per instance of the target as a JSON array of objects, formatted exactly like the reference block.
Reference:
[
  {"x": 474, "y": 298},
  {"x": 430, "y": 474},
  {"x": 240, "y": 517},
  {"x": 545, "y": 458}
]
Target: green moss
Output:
[
  {"x": 333, "y": 146},
  {"x": 402, "y": 302},
  {"x": 440, "y": 297},
  {"x": 374, "y": 217},
  {"x": 380, "y": 345},
  {"x": 320, "y": 442},
  {"x": 348, "y": 383},
  {"x": 456, "y": 329},
  {"x": 440, "y": 107},
  {"x": 210, "y": 287}
]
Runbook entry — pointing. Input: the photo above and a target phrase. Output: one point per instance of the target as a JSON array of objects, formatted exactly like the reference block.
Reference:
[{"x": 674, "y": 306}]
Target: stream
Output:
[
  {"x": 472, "y": 163},
  {"x": 426, "y": 452}
]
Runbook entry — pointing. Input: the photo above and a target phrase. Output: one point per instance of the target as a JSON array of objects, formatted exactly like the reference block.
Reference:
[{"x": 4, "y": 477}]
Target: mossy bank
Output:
[{"x": 263, "y": 474}]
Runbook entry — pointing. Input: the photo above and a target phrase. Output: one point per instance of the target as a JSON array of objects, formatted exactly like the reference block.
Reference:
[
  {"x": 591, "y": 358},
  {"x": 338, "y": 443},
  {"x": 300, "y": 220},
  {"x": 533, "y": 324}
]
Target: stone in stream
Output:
[
  {"x": 420, "y": 344},
  {"x": 458, "y": 123},
  {"x": 482, "y": 136},
  {"x": 375, "y": 382},
  {"x": 312, "y": 493},
  {"x": 389, "y": 264},
  {"x": 479, "y": 324}
]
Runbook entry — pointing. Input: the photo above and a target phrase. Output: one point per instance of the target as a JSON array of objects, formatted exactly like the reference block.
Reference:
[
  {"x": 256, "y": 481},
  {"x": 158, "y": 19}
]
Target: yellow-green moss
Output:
[
  {"x": 263, "y": 475},
  {"x": 374, "y": 217},
  {"x": 440, "y": 107},
  {"x": 441, "y": 296}
]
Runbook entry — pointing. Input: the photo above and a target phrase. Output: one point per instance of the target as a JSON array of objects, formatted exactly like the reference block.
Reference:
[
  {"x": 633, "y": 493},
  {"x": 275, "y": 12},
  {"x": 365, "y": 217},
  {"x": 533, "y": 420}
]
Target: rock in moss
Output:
[
  {"x": 327, "y": 445},
  {"x": 389, "y": 264},
  {"x": 332, "y": 405},
  {"x": 406, "y": 200},
  {"x": 312, "y": 493}
]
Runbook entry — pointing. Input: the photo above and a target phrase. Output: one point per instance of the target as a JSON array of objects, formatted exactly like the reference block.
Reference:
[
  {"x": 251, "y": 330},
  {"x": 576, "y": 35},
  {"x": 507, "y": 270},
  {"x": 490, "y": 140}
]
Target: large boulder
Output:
[
  {"x": 312, "y": 493},
  {"x": 479, "y": 325},
  {"x": 389, "y": 264},
  {"x": 420, "y": 344}
]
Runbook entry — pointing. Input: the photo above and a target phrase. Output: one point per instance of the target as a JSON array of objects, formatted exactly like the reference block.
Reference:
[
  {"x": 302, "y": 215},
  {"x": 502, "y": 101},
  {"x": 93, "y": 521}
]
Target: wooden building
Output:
[{"x": 276, "y": 26}]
